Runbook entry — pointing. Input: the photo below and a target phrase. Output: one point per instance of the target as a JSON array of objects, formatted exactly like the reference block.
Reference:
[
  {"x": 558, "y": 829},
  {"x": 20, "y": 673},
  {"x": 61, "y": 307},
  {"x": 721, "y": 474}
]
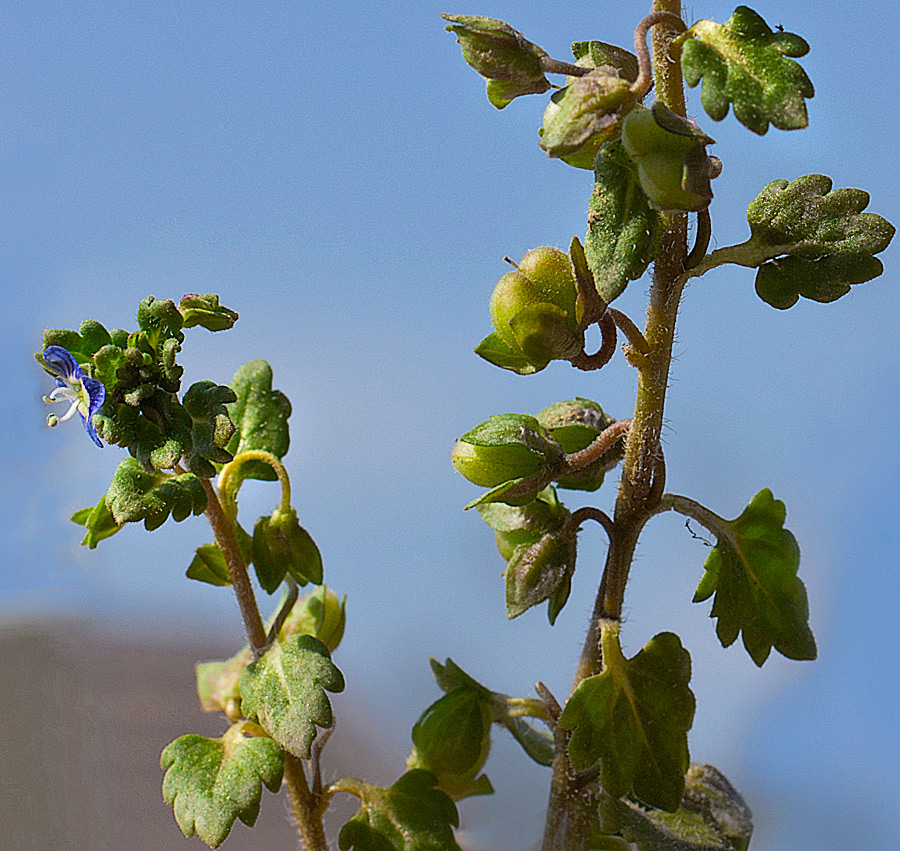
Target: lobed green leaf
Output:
[
  {"x": 411, "y": 815},
  {"x": 813, "y": 241},
  {"x": 753, "y": 573},
  {"x": 134, "y": 495},
  {"x": 634, "y": 718},
  {"x": 284, "y": 691},
  {"x": 205, "y": 310},
  {"x": 211, "y": 782},
  {"x": 745, "y": 63}
]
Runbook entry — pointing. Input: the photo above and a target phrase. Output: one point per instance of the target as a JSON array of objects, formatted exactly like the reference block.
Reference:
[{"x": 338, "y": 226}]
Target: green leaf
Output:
[
  {"x": 211, "y": 428},
  {"x": 208, "y": 565},
  {"x": 159, "y": 317},
  {"x": 99, "y": 522},
  {"x": 713, "y": 817},
  {"x": 810, "y": 240},
  {"x": 411, "y": 815},
  {"x": 284, "y": 690},
  {"x": 621, "y": 223},
  {"x": 634, "y": 718},
  {"x": 494, "y": 349},
  {"x": 206, "y": 311},
  {"x": 83, "y": 344},
  {"x": 260, "y": 415},
  {"x": 211, "y": 782},
  {"x": 282, "y": 546},
  {"x": 319, "y": 614},
  {"x": 452, "y": 739},
  {"x": 753, "y": 573},
  {"x": 538, "y": 744},
  {"x": 744, "y": 62},
  {"x": 135, "y": 494}
]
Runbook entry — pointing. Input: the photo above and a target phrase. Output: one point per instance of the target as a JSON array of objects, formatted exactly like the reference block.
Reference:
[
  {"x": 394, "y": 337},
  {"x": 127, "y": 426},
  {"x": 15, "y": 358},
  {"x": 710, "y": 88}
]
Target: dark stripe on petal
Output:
[{"x": 60, "y": 362}]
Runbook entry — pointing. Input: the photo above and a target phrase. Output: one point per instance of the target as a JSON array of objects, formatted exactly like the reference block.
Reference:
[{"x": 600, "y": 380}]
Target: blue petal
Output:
[
  {"x": 96, "y": 393},
  {"x": 61, "y": 363}
]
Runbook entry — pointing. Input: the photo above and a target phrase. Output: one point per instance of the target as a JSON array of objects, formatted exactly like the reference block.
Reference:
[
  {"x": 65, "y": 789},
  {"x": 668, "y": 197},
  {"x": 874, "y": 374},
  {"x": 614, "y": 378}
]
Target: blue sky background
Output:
[{"x": 337, "y": 175}]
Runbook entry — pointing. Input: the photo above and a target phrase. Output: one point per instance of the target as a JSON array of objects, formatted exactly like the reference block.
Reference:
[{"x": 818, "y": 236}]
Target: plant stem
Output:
[
  {"x": 643, "y": 456},
  {"x": 229, "y": 471},
  {"x": 306, "y": 806},
  {"x": 223, "y": 529},
  {"x": 307, "y": 810}
]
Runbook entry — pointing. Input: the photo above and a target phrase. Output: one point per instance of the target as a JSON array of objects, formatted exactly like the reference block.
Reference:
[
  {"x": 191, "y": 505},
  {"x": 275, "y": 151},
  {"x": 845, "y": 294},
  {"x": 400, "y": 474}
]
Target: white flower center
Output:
[{"x": 75, "y": 395}]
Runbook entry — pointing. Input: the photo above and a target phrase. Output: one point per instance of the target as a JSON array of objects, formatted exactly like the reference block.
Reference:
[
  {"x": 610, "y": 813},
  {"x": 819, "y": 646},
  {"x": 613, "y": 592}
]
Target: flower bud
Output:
[
  {"x": 504, "y": 452},
  {"x": 574, "y": 425},
  {"x": 541, "y": 571},
  {"x": 319, "y": 614},
  {"x": 533, "y": 310},
  {"x": 670, "y": 154},
  {"x": 584, "y": 115},
  {"x": 524, "y": 524},
  {"x": 510, "y": 63},
  {"x": 282, "y": 546}
]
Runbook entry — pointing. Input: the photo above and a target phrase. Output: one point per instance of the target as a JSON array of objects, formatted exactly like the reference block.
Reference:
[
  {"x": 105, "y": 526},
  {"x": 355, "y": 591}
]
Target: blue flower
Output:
[{"x": 84, "y": 394}]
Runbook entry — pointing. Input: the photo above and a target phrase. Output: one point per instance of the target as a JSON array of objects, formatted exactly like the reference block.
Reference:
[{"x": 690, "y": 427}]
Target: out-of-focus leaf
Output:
[{"x": 411, "y": 815}]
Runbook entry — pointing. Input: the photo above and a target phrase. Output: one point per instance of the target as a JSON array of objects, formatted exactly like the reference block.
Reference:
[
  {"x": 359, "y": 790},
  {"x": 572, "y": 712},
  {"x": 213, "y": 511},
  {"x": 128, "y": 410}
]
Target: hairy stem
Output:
[
  {"x": 638, "y": 497},
  {"x": 229, "y": 488},
  {"x": 307, "y": 806},
  {"x": 223, "y": 529}
]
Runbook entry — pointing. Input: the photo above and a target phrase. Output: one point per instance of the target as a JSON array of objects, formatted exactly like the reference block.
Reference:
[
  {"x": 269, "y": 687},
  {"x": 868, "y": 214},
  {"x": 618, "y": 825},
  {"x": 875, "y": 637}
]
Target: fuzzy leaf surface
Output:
[
  {"x": 134, "y": 494},
  {"x": 211, "y": 429},
  {"x": 712, "y": 817},
  {"x": 753, "y": 573},
  {"x": 260, "y": 416},
  {"x": 813, "y": 241},
  {"x": 745, "y": 63},
  {"x": 411, "y": 815},
  {"x": 284, "y": 691},
  {"x": 205, "y": 310},
  {"x": 621, "y": 223},
  {"x": 211, "y": 782},
  {"x": 634, "y": 718}
]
